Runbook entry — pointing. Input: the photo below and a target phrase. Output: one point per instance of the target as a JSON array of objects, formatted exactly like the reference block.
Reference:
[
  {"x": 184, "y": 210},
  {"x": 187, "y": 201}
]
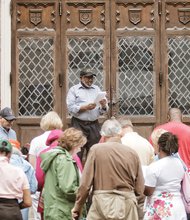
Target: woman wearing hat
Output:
[{"x": 14, "y": 186}]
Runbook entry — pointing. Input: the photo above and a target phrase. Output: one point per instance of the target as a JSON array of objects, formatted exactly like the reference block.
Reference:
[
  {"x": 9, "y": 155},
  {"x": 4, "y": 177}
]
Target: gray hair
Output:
[
  {"x": 111, "y": 128},
  {"x": 125, "y": 122}
]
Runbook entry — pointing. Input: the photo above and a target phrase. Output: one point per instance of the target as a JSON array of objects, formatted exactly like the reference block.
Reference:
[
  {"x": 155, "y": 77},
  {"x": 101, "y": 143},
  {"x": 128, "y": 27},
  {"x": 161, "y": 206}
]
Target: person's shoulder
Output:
[
  {"x": 17, "y": 170},
  {"x": 187, "y": 127},
  {"x": 128, "y": 150},
  {"x": 108, "y": 146},
  {"x": 2, "y": 132},
  {"x": 77, "y": 86},
  {"x": 98, "y": 145},
  {"x": 174, "y": 126},
  {"x": 12, "y": 130},
  {"x": 142, "y": 140},
  {"x": 27, "y": 165},
  {"x": 40, "y": 137},
  {"x": 99, "y": 148},
  {"x": 94, "y": 86}
]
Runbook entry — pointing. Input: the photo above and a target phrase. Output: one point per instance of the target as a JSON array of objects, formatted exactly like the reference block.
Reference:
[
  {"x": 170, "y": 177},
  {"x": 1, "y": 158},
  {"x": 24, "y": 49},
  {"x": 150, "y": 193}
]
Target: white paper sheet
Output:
[{"x": 100, "y": 96}]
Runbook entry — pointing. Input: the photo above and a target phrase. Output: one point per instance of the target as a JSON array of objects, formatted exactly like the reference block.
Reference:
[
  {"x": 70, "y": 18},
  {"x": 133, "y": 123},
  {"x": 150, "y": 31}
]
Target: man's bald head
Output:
[{"x": 174, "y": 114}]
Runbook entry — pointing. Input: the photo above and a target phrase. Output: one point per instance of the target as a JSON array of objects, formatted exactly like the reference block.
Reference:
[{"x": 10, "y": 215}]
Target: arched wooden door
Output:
[{"x": 139, "y": 50}]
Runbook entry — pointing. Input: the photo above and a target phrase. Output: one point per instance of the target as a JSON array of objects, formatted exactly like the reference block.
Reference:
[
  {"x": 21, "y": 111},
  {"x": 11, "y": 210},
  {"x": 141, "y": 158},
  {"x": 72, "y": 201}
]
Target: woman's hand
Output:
[{"x": 75, "y": 214}]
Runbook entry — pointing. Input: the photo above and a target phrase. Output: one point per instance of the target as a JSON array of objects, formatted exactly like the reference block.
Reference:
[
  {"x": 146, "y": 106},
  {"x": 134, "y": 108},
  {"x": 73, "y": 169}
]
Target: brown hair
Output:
[
  {"x": 71, "y": 138},
  {"x": 168, "y": 143},
  {"x": 155, "y": 136}
]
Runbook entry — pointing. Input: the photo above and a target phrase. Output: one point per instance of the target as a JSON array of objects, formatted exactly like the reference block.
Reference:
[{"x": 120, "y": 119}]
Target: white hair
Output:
[
  {"x": 51, "y": 121},
  {"x": 111, "y": 128}
]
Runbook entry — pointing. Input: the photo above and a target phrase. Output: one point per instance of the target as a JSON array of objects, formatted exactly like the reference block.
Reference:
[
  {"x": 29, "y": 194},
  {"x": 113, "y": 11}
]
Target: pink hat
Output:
[{"x": 53, "y": 136}]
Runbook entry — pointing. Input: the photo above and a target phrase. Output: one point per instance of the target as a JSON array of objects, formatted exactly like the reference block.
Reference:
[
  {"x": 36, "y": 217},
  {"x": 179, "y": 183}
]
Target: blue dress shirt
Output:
[
  {"x": 4, "y": 134},
  {"x": 77, "y": 96}
]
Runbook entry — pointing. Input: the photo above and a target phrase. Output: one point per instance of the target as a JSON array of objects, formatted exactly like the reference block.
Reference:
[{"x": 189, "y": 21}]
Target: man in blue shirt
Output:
[
  {"x": 84, "y": 111},
  {"x": 6, "y": 122}
]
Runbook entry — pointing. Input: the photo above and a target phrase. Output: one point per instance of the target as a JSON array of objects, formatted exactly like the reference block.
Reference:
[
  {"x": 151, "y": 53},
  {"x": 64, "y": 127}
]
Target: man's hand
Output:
[
  {"x": 103, "y": 103},
  {"x": 90, "y": 106}
]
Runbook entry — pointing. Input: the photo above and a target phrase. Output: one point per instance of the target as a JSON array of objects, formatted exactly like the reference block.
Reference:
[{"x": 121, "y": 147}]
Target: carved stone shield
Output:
[
  {"x": 134, "y": 15},
  {"x": 184, "y": 15},
  {"x": 85, "y": 16},
  {"x": 35, "y": 16}
]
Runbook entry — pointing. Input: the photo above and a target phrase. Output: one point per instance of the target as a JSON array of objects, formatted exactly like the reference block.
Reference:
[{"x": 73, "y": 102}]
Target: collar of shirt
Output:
[
  {"x": 114, "y": 139},
  {"x": 82, "y": 87},
  {"x": 4, "y": 129}
]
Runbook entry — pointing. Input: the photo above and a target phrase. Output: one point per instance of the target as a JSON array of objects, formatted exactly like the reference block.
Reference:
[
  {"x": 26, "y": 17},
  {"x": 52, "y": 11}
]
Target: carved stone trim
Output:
[
  {"x": 76, "y": 29},
  {"x": 135, "y": 15},
  {"x": 18, "y": 16},
  {"x": 152, "y": 19},
  {"x": 135, "y": 28},
  {"x": 102, "y": 14},
  {"x": 68, "y": 13},
  {"x": 177, "y": 3},
  {"x": 85, "y": 4},
  {"x": 36, "y": 29},
  {"x": 35, "y": 16},
  {"x": 143, "y": 3},
  {"x": 178, "y": 29},
  {"x": 35, "y": 11},
  {"x": 117, "y": 13},
  {"x": 36, "y": 4},
  {"x": 184, "y": 15},
  {"x": 85, "y": 16}
]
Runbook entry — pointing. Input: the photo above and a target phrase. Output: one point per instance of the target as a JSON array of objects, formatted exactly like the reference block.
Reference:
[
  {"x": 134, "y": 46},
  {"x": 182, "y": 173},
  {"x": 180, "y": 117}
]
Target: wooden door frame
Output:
[
  {"x": 139, "y": 120},
  {"x": 28, "y": 126},
  {"x": 165, "y": 34},
  {"x": 85, "y": 32}
]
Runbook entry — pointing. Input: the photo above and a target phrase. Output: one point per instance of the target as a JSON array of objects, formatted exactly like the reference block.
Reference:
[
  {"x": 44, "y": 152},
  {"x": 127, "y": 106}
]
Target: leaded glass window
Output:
[
  {"x": 85, "y": 52},
  {"x": 36, "y": 71},
  {"x": 135, "y": 75},
  {"x": 179, "y": 73}
]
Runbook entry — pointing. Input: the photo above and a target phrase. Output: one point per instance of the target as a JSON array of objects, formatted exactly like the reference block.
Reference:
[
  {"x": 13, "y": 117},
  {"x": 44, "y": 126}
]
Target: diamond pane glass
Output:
[
  {"x": 179, "y": 73},
  {"x": 135, "y": 75},
  {"x": 36, "y": 70},
  {"x": 85, "y": 52}
]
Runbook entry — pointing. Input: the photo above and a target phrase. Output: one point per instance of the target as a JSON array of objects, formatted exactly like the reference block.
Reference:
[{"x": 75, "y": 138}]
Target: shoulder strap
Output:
[{"x": 184, "y": 165}]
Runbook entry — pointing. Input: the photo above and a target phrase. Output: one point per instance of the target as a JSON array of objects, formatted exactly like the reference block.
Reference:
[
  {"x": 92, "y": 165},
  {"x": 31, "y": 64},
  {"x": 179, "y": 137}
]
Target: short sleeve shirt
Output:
[{"x": 13, "y": 180}]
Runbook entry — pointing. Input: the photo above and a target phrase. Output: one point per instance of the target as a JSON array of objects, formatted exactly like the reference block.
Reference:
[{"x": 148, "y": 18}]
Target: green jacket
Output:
[{"x": 61, "y": 183}]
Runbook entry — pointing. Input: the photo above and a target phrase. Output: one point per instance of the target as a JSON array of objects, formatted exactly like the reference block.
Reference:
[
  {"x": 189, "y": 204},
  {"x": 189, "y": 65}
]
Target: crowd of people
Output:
[{"x": 92, "y": 171}]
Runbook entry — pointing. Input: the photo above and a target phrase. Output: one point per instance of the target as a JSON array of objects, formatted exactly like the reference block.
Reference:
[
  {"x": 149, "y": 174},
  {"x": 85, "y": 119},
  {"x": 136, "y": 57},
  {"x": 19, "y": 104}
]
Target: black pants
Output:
[
  {"x": 91, "y": 130},
  {"x": 188, "y": 216},
  {"x": 9, "y": 209}
]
